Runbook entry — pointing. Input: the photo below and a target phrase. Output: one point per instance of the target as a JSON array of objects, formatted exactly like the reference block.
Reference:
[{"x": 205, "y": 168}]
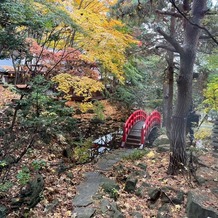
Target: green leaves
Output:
[
  {"x": 4, "y": 187},
  {"x": 213, "y": 60},
  {"x": 40, "y": 110},
  {"x": 211, "y": 94},
  {"x": 38, "y": 164},
  {"x": 23, "y": 176}
]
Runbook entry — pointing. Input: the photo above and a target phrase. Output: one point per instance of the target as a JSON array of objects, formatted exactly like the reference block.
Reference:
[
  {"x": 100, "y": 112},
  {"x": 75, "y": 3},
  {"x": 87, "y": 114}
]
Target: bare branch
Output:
[
  {"x": 208, "y": 37},
  {"x": 169, "y": 13},
  {"x": 194, "y": 24},
  {"x": 168, "y": 48},
  {"x": 171, "y": 40},
  {"x": 211, "y": 12}
]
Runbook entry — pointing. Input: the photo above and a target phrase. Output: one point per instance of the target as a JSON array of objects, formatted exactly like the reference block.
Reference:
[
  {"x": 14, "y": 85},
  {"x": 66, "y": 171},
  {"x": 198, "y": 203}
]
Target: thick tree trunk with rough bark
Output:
[
  {"x": 187, "y": 52},
  {"x": 184, "y": 83},
  {"x": 179, "y": 118}
]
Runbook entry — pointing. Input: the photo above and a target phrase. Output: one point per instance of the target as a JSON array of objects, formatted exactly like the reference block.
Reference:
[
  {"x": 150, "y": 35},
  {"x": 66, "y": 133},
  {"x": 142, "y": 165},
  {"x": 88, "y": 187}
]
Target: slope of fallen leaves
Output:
[{"x": 156, "y": 177}]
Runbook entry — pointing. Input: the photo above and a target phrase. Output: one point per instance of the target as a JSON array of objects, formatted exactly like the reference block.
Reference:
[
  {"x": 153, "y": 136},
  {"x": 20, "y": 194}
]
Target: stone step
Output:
[
  {"x": 134, "y": 136},
  {"x": 133, "y": 142},
  {"x": 216, "y": 122},
  {"x": 214, "y": 137},
  {"x": 132, "y": 145},
  {"x": 215, "y": 141}
]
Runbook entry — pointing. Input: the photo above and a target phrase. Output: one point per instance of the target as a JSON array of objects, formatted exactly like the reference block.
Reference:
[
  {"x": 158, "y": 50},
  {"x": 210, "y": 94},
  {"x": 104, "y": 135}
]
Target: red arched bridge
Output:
[{"x": 141, "y": 128}]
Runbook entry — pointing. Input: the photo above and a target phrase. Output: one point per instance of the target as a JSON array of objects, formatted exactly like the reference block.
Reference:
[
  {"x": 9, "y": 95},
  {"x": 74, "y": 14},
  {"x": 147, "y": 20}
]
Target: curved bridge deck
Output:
[{"x": 141, "y": 128}]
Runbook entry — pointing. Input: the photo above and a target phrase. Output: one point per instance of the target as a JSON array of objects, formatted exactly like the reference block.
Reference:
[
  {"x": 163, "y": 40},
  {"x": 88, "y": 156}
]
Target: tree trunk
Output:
[
  {"x": 184, "y": 83},
  {"x": 168, "y": 93},
  {"x": 168, "y": 83}
]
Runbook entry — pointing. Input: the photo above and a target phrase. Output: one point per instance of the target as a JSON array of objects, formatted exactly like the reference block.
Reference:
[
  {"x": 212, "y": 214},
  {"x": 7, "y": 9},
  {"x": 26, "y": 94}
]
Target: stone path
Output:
[{"x": 87, "y": 190}]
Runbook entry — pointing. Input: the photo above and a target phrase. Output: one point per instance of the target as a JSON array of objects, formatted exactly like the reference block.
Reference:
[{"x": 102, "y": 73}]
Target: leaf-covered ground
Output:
[
  {"x": 62, "y": 177},
  {"x": 157, "y": 177},
  {"x": 5, "y": 96},
  {"x": 60, "y": 187}
]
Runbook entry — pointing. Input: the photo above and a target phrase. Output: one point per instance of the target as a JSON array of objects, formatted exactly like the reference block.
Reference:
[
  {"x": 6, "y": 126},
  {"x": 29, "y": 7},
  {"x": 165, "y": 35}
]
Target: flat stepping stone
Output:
[
  {"x": 85, "y": 193},
  {"x": 87, "y": 189},
  {"x": 107, "y": 161},
  {"x": 84, "y": 212}
]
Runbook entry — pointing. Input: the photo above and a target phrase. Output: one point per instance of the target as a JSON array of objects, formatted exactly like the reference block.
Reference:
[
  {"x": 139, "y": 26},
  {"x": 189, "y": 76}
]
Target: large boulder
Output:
[
  {"x": 197, "y": 209},
  {"x": 161, "y": 140}
]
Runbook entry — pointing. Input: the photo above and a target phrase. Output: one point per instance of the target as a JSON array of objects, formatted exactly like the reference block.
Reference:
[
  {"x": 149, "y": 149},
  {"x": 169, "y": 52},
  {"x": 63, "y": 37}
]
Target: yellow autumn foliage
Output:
[
  {"x": 85, "y": 25},
  {"x": 101, "y": 39},
  {"x": 86, "y": 106},
  {"x": 203, "y": 134},
  {"x": 150, "y": 155},
  {"x": 80, "y": 86}
]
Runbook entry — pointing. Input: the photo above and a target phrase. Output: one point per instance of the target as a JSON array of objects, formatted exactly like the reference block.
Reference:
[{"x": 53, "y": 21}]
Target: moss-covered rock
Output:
[
  {"x": 154, "y": 193},
  {"x": 130, "y": 184},
  {"x": 111, "y": 188},
  {"x": 30, "y": 194}
]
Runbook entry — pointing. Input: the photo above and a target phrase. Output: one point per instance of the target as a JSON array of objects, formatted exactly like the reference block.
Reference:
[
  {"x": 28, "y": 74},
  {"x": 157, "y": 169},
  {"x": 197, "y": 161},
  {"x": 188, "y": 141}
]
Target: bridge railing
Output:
[
  {"x": 138, "y": 115},
  {"x": 154, "y": 119}
]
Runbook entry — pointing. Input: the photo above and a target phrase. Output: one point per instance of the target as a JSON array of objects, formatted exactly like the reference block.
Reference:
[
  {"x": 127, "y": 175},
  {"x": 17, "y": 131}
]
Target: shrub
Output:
[
  {"x": 82, "y": 152},
  {"x": 38, "y": 164},
  {"x": 23, "y": 176},
  {"x": 4, "y": 187}
]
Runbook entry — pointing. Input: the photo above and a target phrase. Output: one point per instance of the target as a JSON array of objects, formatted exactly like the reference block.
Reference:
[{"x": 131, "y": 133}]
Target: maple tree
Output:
[
  {"x": 77, "y": 43},
  {"x": 96, "y": 50},
  {"x": 54, "y": 62},
  {"x": 104, "y": 39},
  {"x": 73, "y": 75},
  {"x": 89, "y": 29},
  {"x": 79, "y": 86}
]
